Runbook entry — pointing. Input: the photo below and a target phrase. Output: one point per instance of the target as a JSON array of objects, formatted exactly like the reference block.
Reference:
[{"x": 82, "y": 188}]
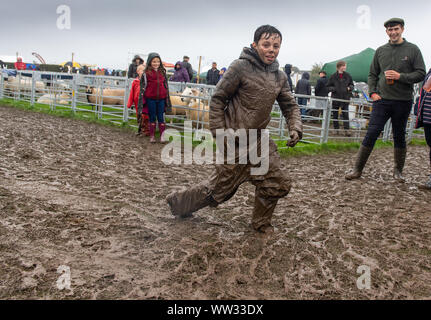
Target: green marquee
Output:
[{"x": 358, "y": 65}]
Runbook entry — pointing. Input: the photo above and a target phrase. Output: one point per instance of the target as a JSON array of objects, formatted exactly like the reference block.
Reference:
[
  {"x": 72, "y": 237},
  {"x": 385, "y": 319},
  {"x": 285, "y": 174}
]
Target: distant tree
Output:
[{"x": 315, "y": 73}]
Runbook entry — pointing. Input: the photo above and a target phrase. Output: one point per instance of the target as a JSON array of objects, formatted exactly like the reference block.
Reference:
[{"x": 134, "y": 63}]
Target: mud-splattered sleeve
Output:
[
  {"x": 224, "y": 92},
  {"x": 290, "y": 109}
]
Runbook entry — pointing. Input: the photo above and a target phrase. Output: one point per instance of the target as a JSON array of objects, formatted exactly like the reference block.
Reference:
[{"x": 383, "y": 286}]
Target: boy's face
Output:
[{"x": 268, "y": 47}]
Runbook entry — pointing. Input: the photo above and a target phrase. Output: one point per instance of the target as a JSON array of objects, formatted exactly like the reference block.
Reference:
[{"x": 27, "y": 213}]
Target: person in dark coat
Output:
[
  {"x": 321, "y": 91},
  {"x": 188, "y": 67},
  {"x": 303, "y": 87},
  {"x": 288, "y": 70},
  {"x": 424, "y": 116},
  {"x": 180, "y": 73},
  {"x": 213, "y": 75},
  {"x": 341, "y": 86},
  {"x": 137, "y": 60}
]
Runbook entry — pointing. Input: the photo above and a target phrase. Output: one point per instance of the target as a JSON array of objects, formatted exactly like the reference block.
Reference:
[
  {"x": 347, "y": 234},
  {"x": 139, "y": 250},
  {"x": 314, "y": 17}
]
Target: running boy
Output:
[{"x": 243, "y": 99}]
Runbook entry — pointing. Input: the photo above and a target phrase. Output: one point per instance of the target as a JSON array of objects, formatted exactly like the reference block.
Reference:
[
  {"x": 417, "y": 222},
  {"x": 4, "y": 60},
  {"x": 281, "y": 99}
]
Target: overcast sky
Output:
[{"x": 107, "y": 32}]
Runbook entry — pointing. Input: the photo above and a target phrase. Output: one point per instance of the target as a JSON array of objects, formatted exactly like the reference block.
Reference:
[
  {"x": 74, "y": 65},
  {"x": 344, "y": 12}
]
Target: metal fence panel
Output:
[{"x": 106, "y": 97}]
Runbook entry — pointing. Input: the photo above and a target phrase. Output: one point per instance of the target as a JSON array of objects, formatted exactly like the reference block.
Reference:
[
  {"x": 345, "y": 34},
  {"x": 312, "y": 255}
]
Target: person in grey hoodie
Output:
[{"x": 137, "y": 60}]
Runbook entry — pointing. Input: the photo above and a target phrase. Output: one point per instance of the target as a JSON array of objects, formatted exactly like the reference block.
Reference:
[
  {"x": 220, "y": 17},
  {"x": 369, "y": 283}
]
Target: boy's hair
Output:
[
  {"x": 341, "y": 64},
  {"x": 266, "y": 30}
]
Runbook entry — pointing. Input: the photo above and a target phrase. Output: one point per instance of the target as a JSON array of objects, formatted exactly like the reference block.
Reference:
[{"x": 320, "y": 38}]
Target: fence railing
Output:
[{"x": 107, "y": 97}]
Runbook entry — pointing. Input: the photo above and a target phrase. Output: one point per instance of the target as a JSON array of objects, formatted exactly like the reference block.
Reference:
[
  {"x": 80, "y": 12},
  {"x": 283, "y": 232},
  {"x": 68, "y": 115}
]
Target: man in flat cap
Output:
[{"x": 396, "y": 67}]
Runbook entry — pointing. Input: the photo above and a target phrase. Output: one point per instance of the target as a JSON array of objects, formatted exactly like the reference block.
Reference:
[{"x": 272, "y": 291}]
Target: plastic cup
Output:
[{"x": 389, "y": 81}]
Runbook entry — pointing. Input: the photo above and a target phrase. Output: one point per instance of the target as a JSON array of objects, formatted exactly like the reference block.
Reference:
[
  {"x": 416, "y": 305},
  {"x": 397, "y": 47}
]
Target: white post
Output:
[
  {"x": 74, "y": 93},
  {"x": 33, "y": 88},
  {"x": 326, "y": 122},
  {"x": 126, "y": 99},
  {"x": 19, "y": 85},
  {"x": 54, "y": 86},
  {"x": 1, "y": 85},
  {"x": 100, "y": 114}
]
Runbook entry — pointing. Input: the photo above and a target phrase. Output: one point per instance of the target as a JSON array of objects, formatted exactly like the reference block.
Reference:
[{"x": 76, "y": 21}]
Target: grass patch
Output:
[{"x": 307, "y": 149}]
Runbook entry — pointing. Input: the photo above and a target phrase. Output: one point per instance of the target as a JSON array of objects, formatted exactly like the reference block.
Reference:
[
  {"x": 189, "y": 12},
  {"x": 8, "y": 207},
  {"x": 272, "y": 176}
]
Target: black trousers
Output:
[
  {"x": 383, "y": 110},
  {"x": 427, "y": 129},
  {"x": 344, "y": 114}
]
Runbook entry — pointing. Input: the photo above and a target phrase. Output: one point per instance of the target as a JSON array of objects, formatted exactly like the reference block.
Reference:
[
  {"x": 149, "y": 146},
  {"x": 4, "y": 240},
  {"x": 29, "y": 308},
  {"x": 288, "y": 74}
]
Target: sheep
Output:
[
  {"x": 13, "y": 84},
  {"x": 111, "y": 96},
  {"x": 199, "y": 112},
  {"x": 49, "y": 99},
  {"x": 178, "y": 101}
]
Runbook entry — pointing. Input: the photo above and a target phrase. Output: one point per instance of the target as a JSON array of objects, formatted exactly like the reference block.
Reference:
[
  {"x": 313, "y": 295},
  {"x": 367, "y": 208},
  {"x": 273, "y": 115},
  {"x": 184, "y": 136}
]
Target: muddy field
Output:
[{"x": 91, "y": 198}]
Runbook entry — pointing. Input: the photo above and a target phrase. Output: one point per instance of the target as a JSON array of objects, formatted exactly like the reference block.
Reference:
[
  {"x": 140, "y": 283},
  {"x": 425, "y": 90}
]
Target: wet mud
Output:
[{"x": 91, "y": 198}]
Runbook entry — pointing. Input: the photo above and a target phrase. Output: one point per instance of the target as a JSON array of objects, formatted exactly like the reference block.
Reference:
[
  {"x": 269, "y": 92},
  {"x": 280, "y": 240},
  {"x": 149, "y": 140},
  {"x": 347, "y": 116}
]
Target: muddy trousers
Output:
[{"x": 225, "y": 181}]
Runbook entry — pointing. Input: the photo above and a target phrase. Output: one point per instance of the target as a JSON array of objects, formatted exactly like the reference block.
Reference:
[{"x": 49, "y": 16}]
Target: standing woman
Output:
[
  {"x": 424, "y": 116},
  {"x": 156, "y": 94}
]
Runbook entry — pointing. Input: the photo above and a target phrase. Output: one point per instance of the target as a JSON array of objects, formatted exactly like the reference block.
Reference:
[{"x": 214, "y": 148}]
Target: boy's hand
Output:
[{"x": 294, "y": 139}]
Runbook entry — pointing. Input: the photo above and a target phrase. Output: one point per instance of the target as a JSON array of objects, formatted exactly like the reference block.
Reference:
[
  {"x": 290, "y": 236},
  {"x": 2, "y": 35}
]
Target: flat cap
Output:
[{"x": 394, "y": 21}]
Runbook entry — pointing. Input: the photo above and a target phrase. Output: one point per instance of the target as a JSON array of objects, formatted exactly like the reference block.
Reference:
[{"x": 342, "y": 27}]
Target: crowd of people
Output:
[{"x": 183, "y": 71}]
